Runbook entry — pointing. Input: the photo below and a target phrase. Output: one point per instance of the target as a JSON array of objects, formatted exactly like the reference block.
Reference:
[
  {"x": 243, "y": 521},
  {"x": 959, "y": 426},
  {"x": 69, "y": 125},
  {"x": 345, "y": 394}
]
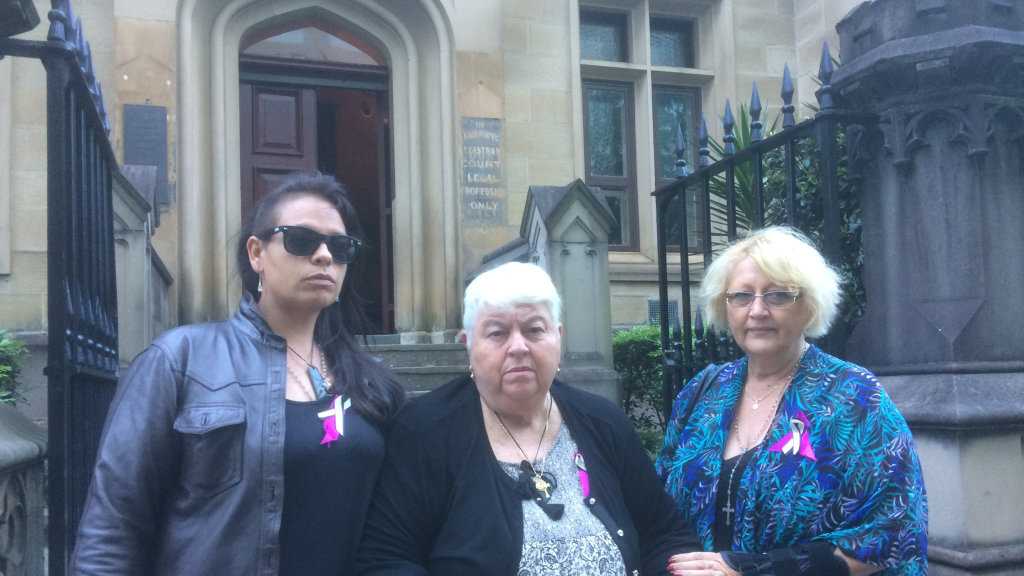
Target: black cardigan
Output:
[{"x": 443, "y": 505}]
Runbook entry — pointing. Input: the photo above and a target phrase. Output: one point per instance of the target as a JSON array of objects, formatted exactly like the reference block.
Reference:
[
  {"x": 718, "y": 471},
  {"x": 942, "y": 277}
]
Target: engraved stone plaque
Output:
[{"x": 483, "y": 196}]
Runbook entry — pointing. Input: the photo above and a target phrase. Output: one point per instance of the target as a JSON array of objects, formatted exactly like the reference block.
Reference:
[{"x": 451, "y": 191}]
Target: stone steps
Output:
[{"x": 423, "y": 367}]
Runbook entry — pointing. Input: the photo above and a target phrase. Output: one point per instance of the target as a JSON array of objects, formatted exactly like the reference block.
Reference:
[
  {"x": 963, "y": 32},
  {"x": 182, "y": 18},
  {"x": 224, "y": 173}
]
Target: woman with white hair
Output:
[
  {"x": 789, "y": 461},
  {"x": 509, "y": 471}
]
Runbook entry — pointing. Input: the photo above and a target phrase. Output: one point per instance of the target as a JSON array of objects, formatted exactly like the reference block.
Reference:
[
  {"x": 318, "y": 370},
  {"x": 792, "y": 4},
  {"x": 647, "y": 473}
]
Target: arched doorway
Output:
[
  {"x": 415, "y": 38},
  {"x": 313, "y": 97}
]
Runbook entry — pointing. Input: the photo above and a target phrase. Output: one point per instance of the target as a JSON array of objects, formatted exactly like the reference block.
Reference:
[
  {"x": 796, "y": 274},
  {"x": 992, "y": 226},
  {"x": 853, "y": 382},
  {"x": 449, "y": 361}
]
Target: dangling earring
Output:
[
  {"x": 259, "y": 285},
  {"x": 472, "y": 376}
]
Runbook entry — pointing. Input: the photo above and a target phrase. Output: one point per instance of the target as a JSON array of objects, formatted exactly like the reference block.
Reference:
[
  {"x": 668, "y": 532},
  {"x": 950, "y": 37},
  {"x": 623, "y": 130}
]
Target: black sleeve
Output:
[
  {"x": 400, "y": 523},
  {"x": 810, "y": 559},
  {"x": 136, "y": 465},
  {"x": 661, "y": 529}
]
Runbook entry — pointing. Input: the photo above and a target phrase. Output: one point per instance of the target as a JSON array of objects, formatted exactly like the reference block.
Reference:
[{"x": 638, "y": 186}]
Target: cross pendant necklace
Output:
[
  {"x": 728, "y": 509},
  {"x": 540, "y": 484}
]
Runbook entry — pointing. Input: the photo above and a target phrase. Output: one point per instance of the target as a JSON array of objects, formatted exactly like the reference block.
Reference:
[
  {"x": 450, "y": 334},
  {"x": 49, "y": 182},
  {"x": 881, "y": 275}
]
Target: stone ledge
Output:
[
  {"x": 22, "y": 441},
  {"x": 1006, "y": 556},
  {"x": 964, "y": 401},
  {"x": 904, "y": 53}
]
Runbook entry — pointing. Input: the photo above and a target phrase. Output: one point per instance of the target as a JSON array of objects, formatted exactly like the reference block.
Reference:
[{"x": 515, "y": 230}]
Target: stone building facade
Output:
[
  {"x": 440, "y": 64},
  {"x": 442, "y": 115}
]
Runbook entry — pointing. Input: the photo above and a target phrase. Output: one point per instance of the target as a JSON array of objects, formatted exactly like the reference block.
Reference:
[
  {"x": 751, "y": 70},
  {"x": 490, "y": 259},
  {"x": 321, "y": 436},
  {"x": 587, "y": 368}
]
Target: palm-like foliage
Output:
[{"x": 746, "y": 202}]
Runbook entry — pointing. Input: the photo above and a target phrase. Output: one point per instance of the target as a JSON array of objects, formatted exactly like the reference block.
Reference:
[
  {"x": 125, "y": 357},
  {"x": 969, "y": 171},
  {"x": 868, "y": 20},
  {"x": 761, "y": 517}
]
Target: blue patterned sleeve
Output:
[
  {"x": 672, "y": 428},
  {"x": 881, "y": 516}
]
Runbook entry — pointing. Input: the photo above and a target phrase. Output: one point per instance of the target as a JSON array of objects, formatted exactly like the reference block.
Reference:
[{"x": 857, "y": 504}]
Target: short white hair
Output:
[
  {"x": 787, "y": 258},
  {"x": 505, "y": 287}
]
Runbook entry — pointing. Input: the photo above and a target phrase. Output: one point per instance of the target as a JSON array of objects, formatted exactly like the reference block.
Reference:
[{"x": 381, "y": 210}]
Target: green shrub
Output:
[
  {"x": 636, "y": 354},
  {"x": 12, "y": 353}
]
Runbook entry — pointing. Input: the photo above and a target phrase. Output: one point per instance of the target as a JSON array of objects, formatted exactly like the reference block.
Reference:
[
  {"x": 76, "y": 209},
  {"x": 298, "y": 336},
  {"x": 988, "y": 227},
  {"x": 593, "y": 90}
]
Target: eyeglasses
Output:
[
  {"x": 776, "y": 299},
  {"x": 301, "y": 241}
]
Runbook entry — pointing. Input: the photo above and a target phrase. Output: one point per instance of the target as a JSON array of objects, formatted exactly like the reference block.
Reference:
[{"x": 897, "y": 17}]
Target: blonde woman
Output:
[{"x": 792, "y": 461}]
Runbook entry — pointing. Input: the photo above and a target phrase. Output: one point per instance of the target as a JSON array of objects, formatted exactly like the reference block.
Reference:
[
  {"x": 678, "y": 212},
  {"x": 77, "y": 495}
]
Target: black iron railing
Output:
[
  {"x": 791, "y": 177},
  {"x": 82, "y": 359}
]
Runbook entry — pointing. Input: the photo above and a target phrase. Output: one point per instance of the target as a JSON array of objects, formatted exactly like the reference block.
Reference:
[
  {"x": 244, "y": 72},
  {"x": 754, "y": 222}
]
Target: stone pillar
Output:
[
  {"x": 944, "y": 255},
  {"x": 566, "y": 228},
  {"x": 132, "y": 229},
  {"x": 22, "y": 496}
]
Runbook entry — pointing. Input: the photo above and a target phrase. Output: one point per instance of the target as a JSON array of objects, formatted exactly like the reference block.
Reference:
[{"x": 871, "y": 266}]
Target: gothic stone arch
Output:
[{"x": 417, "y": 39}]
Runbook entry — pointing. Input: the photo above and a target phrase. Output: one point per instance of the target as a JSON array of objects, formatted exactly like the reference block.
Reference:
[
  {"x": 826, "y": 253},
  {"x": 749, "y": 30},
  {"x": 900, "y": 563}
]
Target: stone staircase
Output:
[{"x": 423, "y": 367}]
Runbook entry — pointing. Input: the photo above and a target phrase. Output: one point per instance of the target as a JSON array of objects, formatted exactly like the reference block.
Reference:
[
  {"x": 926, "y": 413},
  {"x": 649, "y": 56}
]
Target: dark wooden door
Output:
[
  {"x": 279, "y": 136},
  {"x": 357, "y": 156}
]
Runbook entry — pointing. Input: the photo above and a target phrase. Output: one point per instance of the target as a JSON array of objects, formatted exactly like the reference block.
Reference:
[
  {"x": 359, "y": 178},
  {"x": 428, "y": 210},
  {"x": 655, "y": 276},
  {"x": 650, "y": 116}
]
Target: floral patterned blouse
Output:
[{"x": 838, "y": 465}]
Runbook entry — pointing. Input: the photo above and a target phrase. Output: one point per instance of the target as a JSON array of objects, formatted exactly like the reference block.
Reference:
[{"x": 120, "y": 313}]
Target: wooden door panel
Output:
[
  {"x": 278, "y": 130},
  {"x": 266, "y": 179},
  {"x": 279, "y": 122}
]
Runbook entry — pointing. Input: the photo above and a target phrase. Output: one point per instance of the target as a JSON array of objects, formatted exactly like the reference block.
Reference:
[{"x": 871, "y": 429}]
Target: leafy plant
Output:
[
  {"x": 12, "y": 354},
  {"x": 746, "y": 202},
  {"x": 636, "y": 355}
]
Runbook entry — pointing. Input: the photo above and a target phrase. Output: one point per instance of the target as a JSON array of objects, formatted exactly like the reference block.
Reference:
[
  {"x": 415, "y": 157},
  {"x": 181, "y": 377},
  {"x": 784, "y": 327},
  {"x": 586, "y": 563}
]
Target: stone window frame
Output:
[{"x": 644, "y": 77}]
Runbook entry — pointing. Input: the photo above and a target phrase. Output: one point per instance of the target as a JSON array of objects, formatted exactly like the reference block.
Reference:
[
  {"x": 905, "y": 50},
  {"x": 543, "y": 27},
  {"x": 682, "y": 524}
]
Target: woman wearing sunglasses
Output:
[
  {"x": 790, "y": 461},
  {"x": 250, "y": 446}
]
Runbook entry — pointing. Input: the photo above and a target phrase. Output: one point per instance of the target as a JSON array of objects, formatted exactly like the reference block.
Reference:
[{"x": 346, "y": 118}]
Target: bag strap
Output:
[{"x": 710, "y": 375}]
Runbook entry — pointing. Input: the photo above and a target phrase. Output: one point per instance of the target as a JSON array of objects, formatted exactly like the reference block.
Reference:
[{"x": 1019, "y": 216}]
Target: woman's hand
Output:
[{"x": 699, "y": 564}]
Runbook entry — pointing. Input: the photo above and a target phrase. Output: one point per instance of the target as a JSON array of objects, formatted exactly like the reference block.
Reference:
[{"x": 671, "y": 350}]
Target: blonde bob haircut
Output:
[
  {"x": 788, "y": 259},
  {"x": 506, "y": 287}
]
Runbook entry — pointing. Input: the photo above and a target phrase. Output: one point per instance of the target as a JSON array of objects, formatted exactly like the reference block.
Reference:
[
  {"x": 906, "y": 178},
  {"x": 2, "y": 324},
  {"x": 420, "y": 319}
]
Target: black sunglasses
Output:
[{"x": 301, "y": 241}]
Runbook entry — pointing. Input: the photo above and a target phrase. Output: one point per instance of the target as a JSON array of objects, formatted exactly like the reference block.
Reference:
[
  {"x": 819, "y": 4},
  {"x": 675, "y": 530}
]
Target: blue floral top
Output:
[{"x": 838, "y": 465}]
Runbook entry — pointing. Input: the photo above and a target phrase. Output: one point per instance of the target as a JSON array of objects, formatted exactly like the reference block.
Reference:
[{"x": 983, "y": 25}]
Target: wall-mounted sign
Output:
[
  {"x": 483, "y": 196},
  {"x": 145, "y": 143}
]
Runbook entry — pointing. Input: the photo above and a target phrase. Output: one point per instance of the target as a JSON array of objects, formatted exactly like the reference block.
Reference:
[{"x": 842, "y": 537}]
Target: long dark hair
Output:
[{"x": 369, "y": 383}]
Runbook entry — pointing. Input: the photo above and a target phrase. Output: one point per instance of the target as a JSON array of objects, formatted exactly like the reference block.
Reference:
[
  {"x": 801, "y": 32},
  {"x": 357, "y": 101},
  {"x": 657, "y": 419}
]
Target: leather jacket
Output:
[{"x": 189, "y": 472}]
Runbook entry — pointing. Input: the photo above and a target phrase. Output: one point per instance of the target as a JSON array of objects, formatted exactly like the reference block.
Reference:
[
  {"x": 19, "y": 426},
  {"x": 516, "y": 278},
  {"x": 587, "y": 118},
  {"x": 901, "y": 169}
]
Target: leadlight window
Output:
[
  {"x": 672, "y": 42},
  {"x": 609, "y": 156},
  {"x": 603, "y": 36},
  {"x": 676, "y": 106},
  {"x": 312, "y": 44}
]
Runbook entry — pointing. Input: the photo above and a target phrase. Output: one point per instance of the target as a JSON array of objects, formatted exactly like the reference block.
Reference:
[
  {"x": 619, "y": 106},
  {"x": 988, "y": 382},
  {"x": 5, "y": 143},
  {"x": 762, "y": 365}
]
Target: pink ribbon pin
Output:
[
  {"x": 798, "y": 440},
  {"x": 334, "y": 420},
  {"x": 581, "y": 471}
]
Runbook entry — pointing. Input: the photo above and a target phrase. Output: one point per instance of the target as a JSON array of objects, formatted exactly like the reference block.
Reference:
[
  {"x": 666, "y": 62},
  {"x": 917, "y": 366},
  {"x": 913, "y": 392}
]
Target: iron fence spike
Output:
[
  {"x": 87, "y": 69},
  {"x": 825, "y": 70},
  {"x": 58, "y": 22},
  {"x": 729, "y": 123},
  {"x": 788, "y": 117},
  {"x": 681, "y": 169},
  {"x": 702, "y": 139},
  {"x": 787, "y": 85},
  {"x": 756, "y": 126}
]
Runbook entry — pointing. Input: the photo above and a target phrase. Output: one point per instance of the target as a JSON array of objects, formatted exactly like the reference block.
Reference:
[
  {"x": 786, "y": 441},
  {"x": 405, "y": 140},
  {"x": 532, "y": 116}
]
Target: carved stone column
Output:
[
  {"x": 943, "y": 201},
  {"x": 566, "y": 229},
  {"x": 22, "y": 500}
]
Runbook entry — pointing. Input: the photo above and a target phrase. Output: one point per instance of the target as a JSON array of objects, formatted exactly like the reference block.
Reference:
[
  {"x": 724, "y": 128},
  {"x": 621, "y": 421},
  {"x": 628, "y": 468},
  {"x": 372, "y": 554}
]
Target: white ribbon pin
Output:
[
  {"x": 338, "y": 411},
  {"x": 796, "y": 426}
]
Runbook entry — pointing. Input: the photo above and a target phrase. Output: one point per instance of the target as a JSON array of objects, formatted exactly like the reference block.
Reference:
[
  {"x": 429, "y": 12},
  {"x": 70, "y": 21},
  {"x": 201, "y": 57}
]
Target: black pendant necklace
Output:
[
  {"x": 317, "y": 378},
  {"x": 536, "y": 481}
]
